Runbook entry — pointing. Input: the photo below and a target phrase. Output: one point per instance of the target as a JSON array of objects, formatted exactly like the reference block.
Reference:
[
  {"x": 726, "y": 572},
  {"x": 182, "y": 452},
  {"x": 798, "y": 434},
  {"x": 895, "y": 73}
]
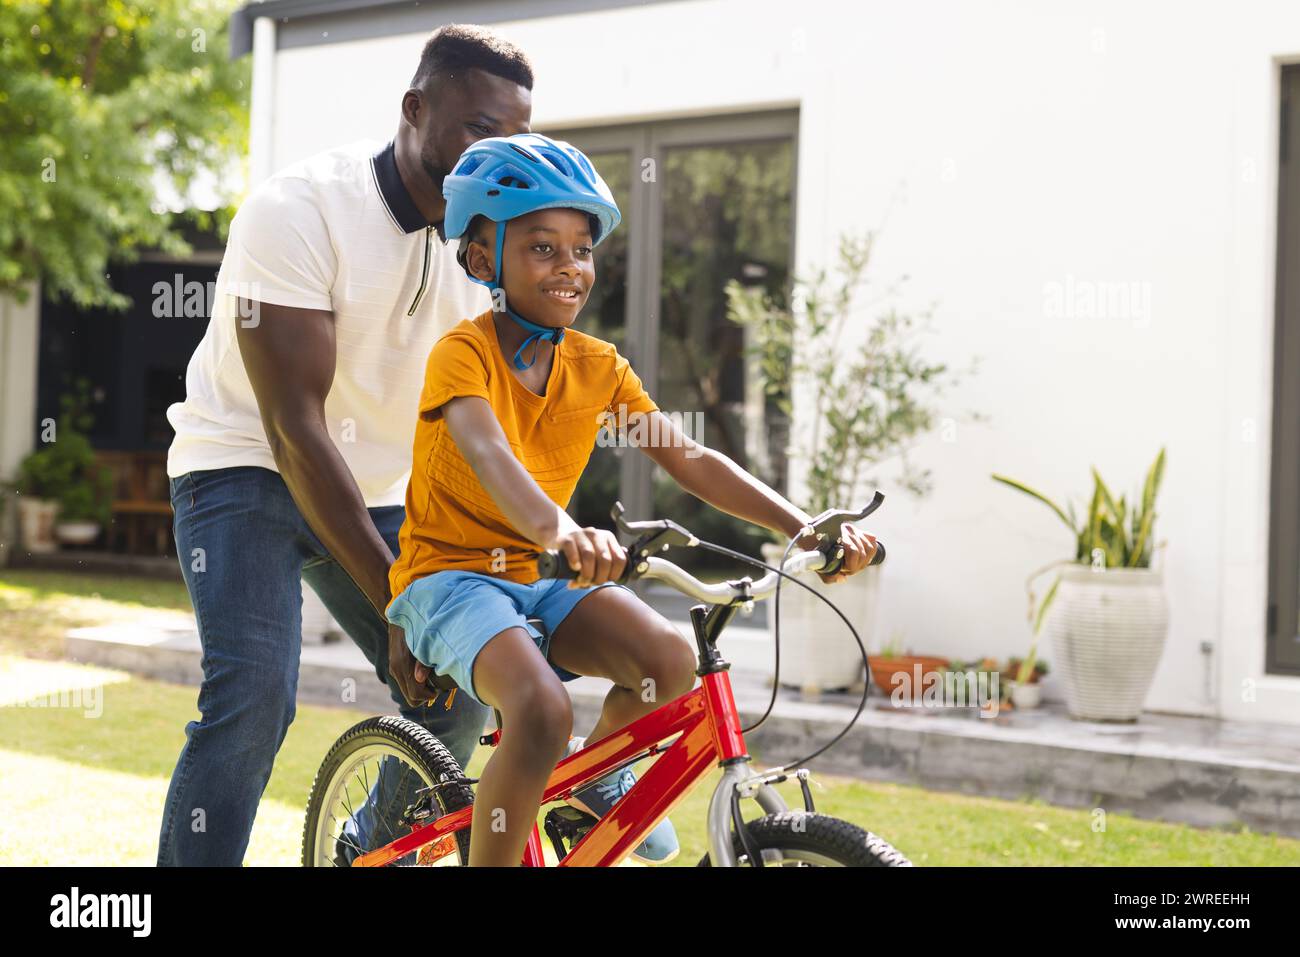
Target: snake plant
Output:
[{"x": 1110, "y": 536}]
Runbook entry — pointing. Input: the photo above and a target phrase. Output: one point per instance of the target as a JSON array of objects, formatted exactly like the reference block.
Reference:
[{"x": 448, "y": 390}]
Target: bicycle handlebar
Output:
[
  {"x": 827, "y": 558},
  {"x": 554, "y": 565}
]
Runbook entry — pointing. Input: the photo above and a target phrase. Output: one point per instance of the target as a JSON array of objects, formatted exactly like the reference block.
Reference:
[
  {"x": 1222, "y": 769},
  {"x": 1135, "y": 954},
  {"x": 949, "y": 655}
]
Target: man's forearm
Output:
[{"x": 325, "y": 492}]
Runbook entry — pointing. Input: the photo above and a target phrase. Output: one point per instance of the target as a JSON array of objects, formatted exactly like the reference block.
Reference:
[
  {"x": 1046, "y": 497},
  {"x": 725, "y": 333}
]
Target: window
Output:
[
  {"x": 1283, "y": 642},
  {"x": 704, "y": 201}
]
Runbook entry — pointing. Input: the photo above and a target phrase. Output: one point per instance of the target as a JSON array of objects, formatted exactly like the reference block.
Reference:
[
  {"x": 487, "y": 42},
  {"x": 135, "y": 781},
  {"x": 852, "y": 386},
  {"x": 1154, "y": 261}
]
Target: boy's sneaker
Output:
[{"x": 660, "y": 845}]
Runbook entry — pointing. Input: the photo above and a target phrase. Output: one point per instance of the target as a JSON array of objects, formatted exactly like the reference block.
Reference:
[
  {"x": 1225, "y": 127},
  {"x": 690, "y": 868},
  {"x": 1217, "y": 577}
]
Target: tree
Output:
[{"x": 106, "y": 107}]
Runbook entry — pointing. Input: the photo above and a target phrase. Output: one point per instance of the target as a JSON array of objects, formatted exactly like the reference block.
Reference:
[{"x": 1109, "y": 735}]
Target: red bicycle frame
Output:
[{"x": 708, "y": 729}]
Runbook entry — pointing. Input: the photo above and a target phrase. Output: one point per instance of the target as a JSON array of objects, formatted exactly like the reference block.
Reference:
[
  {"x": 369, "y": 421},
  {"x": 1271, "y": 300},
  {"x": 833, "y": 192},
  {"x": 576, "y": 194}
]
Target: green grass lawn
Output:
[
  {"x": 81, "y": 789},
  {"x": 38, "y": 607}
]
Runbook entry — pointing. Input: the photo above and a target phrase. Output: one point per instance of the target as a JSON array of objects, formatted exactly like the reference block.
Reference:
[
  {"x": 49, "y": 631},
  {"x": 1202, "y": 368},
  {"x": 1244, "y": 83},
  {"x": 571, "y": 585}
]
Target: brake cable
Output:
[{"x": 866, "y": 690}]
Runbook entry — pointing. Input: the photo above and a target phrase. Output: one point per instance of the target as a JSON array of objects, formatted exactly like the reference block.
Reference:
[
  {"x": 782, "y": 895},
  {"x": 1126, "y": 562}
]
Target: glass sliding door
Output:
[
  {"x": 727, "y": 215},
  {"x": 605, "y": 317},
  {"x": 704, "y": 201}
]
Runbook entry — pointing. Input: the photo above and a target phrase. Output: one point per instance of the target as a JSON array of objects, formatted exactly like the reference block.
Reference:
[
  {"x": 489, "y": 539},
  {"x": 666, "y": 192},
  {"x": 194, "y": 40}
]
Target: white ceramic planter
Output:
[
  {"x": 1107, "y": 629},
  {"x": 1025, "y": 696},
  {"x": 36, "y": 518},
  {"x": 817, "y": 652}
]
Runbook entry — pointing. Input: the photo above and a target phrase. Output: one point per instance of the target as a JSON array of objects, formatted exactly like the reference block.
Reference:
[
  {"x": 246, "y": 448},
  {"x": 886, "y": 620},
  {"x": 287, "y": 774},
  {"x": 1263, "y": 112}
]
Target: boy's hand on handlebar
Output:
[
  {"x": 859, "y": 549},
  {"x": 594, "y": 554}
]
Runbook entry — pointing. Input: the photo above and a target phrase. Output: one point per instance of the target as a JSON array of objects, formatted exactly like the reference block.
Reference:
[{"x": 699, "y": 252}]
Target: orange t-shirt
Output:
[{"x": 451, "y": 520}]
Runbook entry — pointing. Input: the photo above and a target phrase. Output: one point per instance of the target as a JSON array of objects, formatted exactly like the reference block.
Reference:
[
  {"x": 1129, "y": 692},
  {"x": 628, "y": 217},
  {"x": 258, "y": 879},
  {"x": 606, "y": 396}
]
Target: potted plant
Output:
[
  {"x": 64, "y": 493},
  {"x": 86, "y": 506},
  {"x": 901, "y": 675},
  {"x": 1021, "y": 677},
  {"x": 866, "y": 404},
  {"x": 41, "y": 479},
  {"x": 1109, "y": 615}
]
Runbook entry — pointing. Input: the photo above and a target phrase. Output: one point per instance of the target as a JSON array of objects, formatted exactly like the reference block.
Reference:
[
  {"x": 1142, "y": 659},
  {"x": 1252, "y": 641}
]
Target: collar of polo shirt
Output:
[{"x": 405, "y": 214}]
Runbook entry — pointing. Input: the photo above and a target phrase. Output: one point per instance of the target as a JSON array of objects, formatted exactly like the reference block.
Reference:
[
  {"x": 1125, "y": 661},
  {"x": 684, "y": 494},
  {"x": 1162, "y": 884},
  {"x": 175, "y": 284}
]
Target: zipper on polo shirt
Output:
[{"x": 424, "y": 275}]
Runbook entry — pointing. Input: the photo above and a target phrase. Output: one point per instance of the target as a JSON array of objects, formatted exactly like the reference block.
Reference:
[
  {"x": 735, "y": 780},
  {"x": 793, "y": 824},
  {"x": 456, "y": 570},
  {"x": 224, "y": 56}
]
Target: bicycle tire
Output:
[
  {"x": 416, "y": 746},
  {"x": 800, "y": 837}
]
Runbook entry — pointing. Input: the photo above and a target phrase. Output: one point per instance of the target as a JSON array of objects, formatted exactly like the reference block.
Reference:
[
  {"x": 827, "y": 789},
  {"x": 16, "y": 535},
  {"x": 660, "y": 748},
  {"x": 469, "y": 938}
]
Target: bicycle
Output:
[{"x": 688, "y": 736}]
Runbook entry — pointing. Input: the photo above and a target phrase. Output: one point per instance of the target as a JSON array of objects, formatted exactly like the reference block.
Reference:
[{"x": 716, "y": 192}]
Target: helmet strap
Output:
[{"x": 537, "y": 332}]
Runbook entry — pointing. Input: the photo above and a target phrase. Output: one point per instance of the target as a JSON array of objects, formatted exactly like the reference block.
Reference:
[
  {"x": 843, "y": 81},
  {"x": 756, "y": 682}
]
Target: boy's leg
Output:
[
  {"x": 240, "y": 549},
  {"x": 537, "y": 717},
  {"x": 610, "y": 633}
]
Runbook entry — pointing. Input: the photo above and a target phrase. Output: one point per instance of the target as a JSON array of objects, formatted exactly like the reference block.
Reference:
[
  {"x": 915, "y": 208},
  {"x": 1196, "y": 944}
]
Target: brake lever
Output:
[
  {"x": 829, "y": 526},
  {"x": 647, "y": 538},
  {"x": 671, "y": 532}
]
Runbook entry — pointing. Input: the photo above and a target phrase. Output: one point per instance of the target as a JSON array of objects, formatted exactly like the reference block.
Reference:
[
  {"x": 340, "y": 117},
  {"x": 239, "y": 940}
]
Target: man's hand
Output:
[
  {"x": 410, "y": 674},
  {"x": 594, "y": 554},
  {"x": 859, "y": 549}
]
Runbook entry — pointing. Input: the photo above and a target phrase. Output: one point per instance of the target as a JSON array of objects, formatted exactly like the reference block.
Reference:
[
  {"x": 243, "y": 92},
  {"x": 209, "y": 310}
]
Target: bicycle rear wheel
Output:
[
  {"x": 800, "y": 839},
  {"x": 370, "y": 776}
]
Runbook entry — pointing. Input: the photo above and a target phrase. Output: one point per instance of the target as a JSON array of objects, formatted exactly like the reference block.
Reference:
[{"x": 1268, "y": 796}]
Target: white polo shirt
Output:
[{"x": 337, "y": 232}]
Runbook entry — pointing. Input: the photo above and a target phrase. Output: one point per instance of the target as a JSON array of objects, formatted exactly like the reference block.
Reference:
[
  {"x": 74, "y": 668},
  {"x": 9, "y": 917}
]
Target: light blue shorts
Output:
[{"x": 449, "y": 616}]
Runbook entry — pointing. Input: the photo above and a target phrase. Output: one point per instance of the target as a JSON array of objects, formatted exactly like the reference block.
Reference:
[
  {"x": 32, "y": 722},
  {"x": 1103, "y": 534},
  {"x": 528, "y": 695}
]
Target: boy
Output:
[{"x": 510, "y": 410}]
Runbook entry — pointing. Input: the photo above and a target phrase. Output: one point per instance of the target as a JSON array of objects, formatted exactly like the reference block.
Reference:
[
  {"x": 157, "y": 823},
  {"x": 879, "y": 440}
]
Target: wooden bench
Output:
[{"x": 142, "y": 508}]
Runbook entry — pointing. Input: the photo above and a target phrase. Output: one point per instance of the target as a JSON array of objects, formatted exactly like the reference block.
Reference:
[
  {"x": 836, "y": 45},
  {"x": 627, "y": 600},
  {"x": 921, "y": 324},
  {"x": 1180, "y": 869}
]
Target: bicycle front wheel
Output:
[{"x": 800, "y": 839}]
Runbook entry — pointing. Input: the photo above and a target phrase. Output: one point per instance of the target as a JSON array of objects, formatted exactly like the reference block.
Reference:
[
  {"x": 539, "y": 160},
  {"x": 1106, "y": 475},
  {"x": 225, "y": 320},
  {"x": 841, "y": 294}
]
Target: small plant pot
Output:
[
  {"x": 36, "y": 517},
  {"x": 1027, "y": 695},
  {"x": 912, "y": 670},
  {"x": 77, "y": 533}
]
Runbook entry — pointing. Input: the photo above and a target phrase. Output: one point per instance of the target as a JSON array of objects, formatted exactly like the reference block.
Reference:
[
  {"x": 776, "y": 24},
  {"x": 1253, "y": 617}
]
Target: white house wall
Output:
[{"x": 1009, "y": 150}]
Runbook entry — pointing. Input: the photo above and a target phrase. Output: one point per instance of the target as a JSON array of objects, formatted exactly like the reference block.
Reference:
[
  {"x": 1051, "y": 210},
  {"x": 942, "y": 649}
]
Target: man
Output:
[{"x": 293, "y": 444}]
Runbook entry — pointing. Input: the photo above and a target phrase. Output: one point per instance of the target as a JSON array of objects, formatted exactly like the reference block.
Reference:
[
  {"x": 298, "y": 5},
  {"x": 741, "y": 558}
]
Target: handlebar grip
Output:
[
  {"x": 554, "y": 565},
  {"x": 835, "y": 564}
]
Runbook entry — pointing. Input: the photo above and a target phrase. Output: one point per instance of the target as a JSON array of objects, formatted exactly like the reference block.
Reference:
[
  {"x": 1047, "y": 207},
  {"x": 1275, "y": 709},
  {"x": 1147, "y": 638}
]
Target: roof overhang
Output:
[{"x": 303, "y": 23}]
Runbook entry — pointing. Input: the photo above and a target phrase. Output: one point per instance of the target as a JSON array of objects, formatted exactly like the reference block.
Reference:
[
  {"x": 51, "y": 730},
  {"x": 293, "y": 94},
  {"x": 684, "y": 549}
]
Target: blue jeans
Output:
[{"x": 245, "y": 549}]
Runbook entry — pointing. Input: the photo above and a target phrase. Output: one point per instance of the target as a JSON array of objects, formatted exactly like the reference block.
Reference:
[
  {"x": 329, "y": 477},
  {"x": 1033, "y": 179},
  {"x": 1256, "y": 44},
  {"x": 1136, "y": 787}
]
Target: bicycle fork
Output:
[{"x": 739, "y": 780}]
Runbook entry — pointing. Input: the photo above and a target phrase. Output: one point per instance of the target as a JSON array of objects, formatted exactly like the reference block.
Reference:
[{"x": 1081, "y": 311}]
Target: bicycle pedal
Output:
[{"x": 565, "y": 826}]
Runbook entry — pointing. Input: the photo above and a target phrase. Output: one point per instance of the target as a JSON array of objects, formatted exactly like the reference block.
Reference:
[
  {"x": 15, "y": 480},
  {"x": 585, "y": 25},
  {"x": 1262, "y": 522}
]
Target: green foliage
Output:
[
  {"x": 1029, "y": 668},
  {"x": 1104, "y": 534},
  {"x": 102, "y": 102},
  {"x": 1110, "y": 536},
  {"x": 893, "y": 648},
  {"x": 65, "y": 470},
  {"x": 868, "y": 400}
]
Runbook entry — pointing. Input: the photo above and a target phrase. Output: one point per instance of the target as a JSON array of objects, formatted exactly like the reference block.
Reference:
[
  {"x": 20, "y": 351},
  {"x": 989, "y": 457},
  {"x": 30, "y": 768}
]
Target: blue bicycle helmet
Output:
[{"x": 504, "y": 177}]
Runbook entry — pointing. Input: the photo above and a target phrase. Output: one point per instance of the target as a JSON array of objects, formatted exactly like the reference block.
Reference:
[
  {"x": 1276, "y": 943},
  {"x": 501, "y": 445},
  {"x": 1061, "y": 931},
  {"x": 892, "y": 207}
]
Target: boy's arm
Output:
[
  {"x": 594, "y": 553},
  {"x": 714, "y": 478}
]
